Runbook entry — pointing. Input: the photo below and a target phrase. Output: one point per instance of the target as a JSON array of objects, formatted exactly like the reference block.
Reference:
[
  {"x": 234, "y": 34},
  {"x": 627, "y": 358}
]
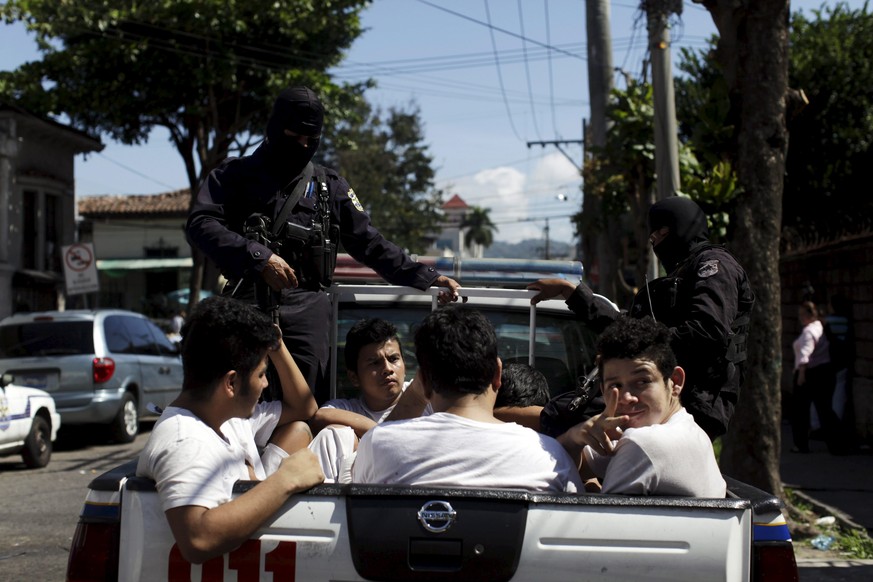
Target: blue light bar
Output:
[{"x": 506, "y": 273}]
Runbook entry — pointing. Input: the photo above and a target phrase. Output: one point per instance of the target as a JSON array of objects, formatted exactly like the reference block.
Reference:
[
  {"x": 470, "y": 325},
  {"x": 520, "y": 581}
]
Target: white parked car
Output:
[{"x": 28, "y": 423}]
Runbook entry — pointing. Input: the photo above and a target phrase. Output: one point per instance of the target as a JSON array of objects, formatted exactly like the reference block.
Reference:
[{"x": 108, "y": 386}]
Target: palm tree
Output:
[{"x": 478, "y": 230}]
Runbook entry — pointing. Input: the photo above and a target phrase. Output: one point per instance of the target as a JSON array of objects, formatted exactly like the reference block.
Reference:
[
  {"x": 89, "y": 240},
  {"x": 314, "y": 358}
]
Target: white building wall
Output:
[{"x": 128, "y": 238}]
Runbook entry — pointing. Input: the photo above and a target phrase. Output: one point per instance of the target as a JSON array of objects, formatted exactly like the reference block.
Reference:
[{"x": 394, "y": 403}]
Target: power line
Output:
[
  {"x": 499, "y": 75},
  {"x": 493, "y": 28},
  {"x": 533, "y": 111},
  {"x": 447, "y": 62},
  {"x": 137, "y": 172},
  {"x": 531, "y": 219},
  {"x": 551, "y": 76},
  {"x": 513, "y": 163}
]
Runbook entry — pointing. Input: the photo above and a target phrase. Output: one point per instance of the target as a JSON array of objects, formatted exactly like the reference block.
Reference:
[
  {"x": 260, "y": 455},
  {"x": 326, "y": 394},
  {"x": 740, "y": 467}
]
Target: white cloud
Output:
[{"x": 520, "y": 202}]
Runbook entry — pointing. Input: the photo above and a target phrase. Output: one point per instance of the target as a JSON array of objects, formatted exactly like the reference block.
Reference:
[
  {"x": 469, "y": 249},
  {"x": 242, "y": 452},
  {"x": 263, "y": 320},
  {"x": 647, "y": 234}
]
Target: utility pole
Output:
[
  {"x": 548, "y": 250},
  {"x": 666, "y": 140},
  {"x": 600, "y": 83},
  {"x": 599, "y": 66},
  {"x": 666, "y": 132}
]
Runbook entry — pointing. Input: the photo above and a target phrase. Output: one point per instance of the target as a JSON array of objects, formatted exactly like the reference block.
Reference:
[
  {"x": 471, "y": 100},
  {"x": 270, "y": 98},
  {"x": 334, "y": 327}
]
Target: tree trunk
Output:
[
  {"x": 204, "y": 273},
  {"x": 198, "y": 263},
  {"x": 753, "y": 49}
]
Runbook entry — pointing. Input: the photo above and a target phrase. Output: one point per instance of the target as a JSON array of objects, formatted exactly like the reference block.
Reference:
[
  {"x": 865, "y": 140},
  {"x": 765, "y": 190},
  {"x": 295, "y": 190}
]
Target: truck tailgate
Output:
[
  {"x": 358, "y": 532},
  {"x": 643, "y": 542}
]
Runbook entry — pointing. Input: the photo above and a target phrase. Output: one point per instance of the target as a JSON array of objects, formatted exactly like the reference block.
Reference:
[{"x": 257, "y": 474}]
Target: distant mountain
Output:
[{"x": 532, "y": 248}]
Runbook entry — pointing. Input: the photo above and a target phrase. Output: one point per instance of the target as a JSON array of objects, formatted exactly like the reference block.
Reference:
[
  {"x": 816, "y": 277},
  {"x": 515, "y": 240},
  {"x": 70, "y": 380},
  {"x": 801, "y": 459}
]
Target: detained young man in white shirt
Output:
[
  {"x": 462, "y": 443},
  {"x": 375, "y": 365},
  {"x": 645, "y": 442},
  {"x": 211, "y": 436}
]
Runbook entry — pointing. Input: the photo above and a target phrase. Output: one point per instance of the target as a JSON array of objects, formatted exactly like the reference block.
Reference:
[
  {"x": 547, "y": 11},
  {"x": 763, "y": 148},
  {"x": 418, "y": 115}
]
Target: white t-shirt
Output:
[
  {"x": 444, "y": 449},
  {"x": 192, "y": 465},
  {"x": 673, "y": 458},
  {"x": 357, "y": 406}
]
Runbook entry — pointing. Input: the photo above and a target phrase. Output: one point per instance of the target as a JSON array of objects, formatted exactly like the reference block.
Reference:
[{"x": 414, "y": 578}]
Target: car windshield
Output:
[
  {"x": 564, "y": 348},
  {"x": 46, "y": 338}
]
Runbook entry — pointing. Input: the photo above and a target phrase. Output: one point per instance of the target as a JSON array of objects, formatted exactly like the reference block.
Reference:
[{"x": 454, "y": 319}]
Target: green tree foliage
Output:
[
  {"x": 830, "y": 161},
  {"x": 829, "y": 152},
  {"x": 479, "y": 227},
  {"x": 207, "y": 70},
  {"x": 622, "y": 175},
  {"x": 384, "y": 158},
  {"x": 702, "y": 105},
  {"x": 703, "y": 114}
]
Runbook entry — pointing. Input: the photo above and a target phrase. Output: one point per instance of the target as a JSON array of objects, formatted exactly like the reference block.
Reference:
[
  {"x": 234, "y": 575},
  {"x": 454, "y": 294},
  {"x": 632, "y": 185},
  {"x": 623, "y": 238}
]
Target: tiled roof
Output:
[
  {"x": 455, "y": 202},
  {"x": 166, "y": 204}
]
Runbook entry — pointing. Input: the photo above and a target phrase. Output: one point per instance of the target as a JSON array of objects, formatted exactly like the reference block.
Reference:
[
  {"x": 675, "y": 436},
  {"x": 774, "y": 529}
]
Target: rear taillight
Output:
[
  {"x": 94, "y": 553},
  {"x": 774, "y": 562},
  {"x": 103, "y": 369}
]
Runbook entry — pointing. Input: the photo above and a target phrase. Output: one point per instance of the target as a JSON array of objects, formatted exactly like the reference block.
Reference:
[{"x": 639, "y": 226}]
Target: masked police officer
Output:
[
  {"x": 274, "y": 217},
  {"x": 705, "y": 300}
]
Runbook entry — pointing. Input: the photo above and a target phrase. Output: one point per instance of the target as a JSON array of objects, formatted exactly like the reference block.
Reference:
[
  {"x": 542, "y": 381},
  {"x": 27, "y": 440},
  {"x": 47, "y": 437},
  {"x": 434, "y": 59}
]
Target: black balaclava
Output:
[
  {"x": 299, "y": 110},
  {"x": 687, "y": 225}
]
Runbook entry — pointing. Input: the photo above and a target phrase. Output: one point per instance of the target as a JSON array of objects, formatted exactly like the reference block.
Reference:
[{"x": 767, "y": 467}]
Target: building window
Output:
[
  {"x": 29, "y": 230},
  {"x": 41, "y": 231},
  {"x": 53, "y": 229},
  {"x": 161, "y": 250}
]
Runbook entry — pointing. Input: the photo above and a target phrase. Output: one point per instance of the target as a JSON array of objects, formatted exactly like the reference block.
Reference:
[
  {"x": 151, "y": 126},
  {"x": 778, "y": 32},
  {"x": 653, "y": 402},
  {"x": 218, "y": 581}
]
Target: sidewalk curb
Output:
[
  {"x": 823, "y": 508},
  {"x": 826, "y": 563}
]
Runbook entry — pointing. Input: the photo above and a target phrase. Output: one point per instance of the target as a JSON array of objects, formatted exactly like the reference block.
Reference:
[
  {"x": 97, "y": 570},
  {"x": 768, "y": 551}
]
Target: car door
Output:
[
  {"x": 14, "y": 418},
  {"x": 171, "y": 366},
  {"x": 157, "y": 380}
]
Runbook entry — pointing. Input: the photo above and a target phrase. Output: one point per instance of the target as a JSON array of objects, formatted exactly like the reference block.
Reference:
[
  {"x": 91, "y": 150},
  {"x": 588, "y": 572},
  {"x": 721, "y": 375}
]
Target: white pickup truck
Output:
[{"x": 369, "y": 532}]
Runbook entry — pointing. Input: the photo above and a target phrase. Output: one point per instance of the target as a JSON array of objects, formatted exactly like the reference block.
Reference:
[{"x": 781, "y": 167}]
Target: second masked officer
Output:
[
  {"x": 274, "y": 217},
  {"x": 705, "y": 300}
]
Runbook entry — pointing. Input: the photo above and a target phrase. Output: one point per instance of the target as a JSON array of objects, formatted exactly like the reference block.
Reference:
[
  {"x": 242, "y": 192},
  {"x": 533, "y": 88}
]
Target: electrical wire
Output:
[
  {"x": 533, "y": 111},
  {"x": 493, "y": 28},
  {"x": 551, "y": 75},
  {"x": 499, "y": 74},
  {"x": 137, "y": 172},
  {"x": 630, "y": 46}
]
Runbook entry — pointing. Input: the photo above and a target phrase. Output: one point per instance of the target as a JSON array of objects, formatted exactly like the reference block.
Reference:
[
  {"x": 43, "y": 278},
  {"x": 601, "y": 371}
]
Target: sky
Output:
[{"x": 486, "y": 86}]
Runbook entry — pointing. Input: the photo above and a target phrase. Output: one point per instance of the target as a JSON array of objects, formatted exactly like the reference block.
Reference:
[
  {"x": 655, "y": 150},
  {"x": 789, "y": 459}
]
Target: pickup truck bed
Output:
[
  {"x": 370, "y": 532},
  {"x": 366, "y": 532}
]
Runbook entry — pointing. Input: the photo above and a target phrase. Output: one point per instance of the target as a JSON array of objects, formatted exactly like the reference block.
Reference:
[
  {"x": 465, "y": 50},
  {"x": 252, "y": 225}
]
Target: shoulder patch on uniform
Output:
[
  {"x": 708, "y": 268},
  {"x": 354, "y": 198}
]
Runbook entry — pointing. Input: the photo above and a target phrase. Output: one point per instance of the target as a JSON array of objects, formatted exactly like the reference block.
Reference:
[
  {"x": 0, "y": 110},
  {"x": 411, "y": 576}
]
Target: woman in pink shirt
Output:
[{"x": 814, "y": 381}]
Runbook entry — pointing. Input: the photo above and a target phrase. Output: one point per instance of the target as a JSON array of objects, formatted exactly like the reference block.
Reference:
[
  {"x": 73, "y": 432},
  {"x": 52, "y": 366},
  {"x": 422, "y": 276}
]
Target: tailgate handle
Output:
[{"x": 435, "y": 555}]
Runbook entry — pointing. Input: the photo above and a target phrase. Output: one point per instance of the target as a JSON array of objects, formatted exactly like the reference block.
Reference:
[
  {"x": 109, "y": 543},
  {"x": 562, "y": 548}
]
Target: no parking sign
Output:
[{"x": 80, "y": 268}]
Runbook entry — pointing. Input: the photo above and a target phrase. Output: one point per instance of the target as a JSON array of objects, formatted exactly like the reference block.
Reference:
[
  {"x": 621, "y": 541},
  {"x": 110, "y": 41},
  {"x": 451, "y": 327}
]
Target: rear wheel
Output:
[
  {"x": 38, "y": 444},
  {"x": 125, "y": 425}
]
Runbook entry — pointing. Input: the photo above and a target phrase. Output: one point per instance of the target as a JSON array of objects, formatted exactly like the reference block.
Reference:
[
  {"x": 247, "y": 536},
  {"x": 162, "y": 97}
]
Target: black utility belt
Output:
[{"x": 312, "y": 263}]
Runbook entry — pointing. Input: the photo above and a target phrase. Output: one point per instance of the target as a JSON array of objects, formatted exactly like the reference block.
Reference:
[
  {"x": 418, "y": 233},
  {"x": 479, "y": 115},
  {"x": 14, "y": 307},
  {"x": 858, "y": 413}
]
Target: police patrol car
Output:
[{"x": 28, "y": 423}]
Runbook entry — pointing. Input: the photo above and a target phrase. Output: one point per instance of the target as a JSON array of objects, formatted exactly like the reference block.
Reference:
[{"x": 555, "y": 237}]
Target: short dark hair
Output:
[
  {"x": 220, "y": 335},
  {"x": 629, "y": 338},
  {"x": 456, "y": 349},
  {"x": 522, "y": 385},
  {"x": 365, "y": 332}
]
